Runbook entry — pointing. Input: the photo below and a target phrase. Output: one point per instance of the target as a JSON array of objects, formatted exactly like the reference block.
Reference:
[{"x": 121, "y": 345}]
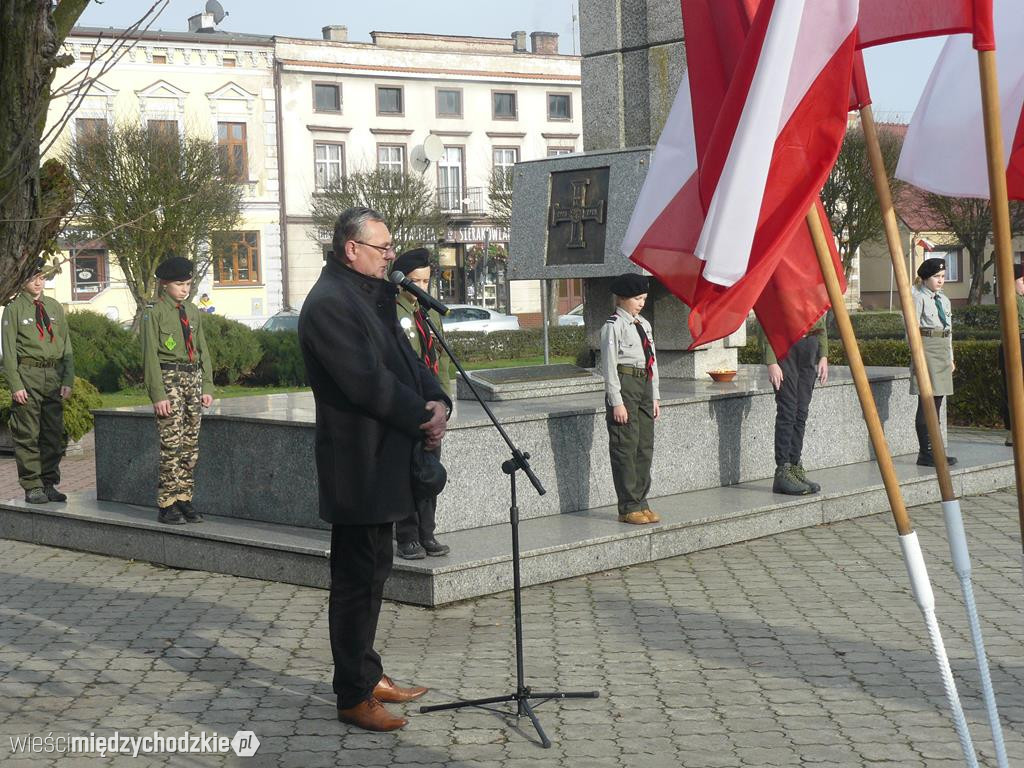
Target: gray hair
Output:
[{"x": 349, "y": 226}]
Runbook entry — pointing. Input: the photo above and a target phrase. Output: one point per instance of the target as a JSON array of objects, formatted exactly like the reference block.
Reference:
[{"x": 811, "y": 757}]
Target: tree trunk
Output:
[{"x": 977, "y": 259}]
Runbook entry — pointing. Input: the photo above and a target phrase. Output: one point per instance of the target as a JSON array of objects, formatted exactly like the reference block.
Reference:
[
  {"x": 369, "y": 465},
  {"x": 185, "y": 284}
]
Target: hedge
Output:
[
  {"x": 234, "y": 348},
  {"x": 280, "y": 362},
  {"x": 969, "y": 322},
  {"x": 563, "y": 341},
  {"x": 106, "y": 354},
  {"x": 78, "y": 419}
]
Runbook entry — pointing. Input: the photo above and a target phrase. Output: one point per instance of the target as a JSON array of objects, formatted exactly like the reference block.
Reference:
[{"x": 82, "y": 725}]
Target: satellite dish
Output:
[
  {"x": 212, "y": 6},
  {"x": 433, "y": 148}
]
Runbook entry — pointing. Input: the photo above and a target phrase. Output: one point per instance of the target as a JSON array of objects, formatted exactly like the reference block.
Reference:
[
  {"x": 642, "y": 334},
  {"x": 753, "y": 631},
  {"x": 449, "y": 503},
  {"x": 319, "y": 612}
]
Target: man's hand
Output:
[
  {"x": 65, "y": 393},
  {"x": 206, "y": 400},
  {"x": 823, "y": 370},
  {"x": 657, "y": 409},
  {"x": 619, "y": 414},
  {"x": 162, "y": 408},
  {"x": 435, "y": 428},
  {"x": 20, "y": 397},
  {"x": 775, "y": 376}
]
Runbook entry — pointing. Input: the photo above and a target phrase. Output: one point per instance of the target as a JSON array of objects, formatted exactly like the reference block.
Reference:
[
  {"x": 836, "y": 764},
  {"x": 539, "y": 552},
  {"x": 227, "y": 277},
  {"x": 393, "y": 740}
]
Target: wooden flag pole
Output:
[
  {"x": 950, "y": 504},
  {"x": 1004, "y": 267},
  {"x": 920, "y": 584}
]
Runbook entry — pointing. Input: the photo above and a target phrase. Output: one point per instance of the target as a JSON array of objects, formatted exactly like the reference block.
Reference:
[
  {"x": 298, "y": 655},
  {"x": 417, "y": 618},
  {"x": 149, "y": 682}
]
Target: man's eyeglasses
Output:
[{"x": 382, "y": 248}]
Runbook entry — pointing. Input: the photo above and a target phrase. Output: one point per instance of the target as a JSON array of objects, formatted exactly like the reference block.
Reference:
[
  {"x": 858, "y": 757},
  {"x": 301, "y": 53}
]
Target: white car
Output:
[
  {"x": 466, "y": 317},
  {"x": 573, "y": 317}
]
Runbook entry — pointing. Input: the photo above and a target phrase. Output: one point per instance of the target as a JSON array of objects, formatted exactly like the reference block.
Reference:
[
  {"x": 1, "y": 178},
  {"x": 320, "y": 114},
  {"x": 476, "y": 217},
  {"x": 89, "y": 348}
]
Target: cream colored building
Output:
[
  {"x": 347, "y": 106},
  {"x": 213, "y": 84}
]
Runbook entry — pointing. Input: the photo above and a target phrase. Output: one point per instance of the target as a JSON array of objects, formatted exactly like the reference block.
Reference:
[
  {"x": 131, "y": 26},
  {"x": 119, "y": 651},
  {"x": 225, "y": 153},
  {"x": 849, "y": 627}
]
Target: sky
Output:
[{"x": 896, "y": 73}]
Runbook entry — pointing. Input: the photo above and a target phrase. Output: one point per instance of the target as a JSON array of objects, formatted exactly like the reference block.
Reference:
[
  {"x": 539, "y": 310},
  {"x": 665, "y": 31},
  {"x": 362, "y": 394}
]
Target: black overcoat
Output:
[{"x": 370, "y": 392}]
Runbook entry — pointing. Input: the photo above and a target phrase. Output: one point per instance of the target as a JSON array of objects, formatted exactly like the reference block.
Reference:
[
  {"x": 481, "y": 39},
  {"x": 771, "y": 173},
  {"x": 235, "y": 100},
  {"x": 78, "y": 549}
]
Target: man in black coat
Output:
[{"x": 374, "y": 400}]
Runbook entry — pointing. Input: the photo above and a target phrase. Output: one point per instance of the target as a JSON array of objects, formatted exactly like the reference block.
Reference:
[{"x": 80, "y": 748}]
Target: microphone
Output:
[{"x": 399, "y": 278}]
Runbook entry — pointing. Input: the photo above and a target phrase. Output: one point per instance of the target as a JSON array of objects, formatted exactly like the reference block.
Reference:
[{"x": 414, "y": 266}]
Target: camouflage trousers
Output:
[{"x": 179, "y": 436}]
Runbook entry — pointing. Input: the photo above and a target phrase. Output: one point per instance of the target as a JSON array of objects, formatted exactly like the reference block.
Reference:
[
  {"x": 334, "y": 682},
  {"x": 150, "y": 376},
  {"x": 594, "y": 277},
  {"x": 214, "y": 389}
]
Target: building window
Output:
[
  {"x": 389, "y": 100},
  {"x": 505, "y": 159},
  {"x": 391, "y": 159},
  {"x": 88, "y": 274},
  {"x": 330, "y": 164},
  {"x": 952, "y": 257},
  {"x": 556, "y": 151},
  {"x": 449, "y": 180},
  {"x": 449, "y": 102},
  {"x": 88, "y": 128},
  {"x": 236, "y": 258},
  {"x": 559, "y": 106},
  {"x": 159, "y": 58},
  {"x": 229, "y": 62},
  {"x": 167, "y": 128},
  {"x": 504, "y": 105},
  {"x": 326, "y": 97},
  {"x": 234, "y": 158}
]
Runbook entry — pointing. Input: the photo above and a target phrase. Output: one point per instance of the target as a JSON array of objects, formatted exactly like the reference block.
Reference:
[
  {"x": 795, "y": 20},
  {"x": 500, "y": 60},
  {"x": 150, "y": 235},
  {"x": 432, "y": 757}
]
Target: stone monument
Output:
[{"x": 633, "y": 62}]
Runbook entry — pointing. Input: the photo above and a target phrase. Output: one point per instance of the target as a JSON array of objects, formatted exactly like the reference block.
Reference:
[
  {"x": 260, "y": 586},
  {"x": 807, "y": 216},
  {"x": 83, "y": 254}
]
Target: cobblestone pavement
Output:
[{"x": 801, "y": 649}]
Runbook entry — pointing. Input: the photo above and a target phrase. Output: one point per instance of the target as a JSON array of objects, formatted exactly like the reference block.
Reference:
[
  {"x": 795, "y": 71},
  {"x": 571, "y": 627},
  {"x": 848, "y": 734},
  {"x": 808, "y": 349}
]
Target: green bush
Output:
[
  {"x": 281, "y": 363},
  {"x": 233, "y": 346},
  {"x": 106, "y": 354},
  {"x": 564, "y": 341},
  {"x": 78, "y": 419},
  {"x": 969, "y": 322}
]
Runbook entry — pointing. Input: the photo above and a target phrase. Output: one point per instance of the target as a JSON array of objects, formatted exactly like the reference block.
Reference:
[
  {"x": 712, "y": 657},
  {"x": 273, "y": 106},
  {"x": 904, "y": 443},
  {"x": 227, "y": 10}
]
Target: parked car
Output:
[
  {"x": 285, "y": 320},
  {"x": 573, "y": 317},
  {"x": 466, "y": 317}
]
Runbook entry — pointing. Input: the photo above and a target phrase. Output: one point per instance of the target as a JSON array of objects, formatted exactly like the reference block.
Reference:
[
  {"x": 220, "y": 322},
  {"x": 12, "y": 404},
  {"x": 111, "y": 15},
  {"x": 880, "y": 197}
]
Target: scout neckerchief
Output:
[
  {"x": 427, "y": 347},
  {"x": 941, "y": 311},
  {"x": 186, "y": 331},
  {"x": 43, "y": 320},
  {"x": 648, "y": 349}
]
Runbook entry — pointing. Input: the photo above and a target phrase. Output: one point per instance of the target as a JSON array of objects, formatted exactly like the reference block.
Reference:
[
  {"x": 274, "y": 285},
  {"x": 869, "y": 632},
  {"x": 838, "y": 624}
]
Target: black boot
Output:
[
  {"x": 170, "y": 515},
  {"x": 190, "y": 515}
]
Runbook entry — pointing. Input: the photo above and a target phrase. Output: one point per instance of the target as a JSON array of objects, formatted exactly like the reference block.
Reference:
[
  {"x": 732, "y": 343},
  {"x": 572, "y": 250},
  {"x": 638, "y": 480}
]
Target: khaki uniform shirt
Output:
[
  {"x": 163, "y": 341},
  {"x": 621, "y": 345},
  {"x": 21, "y": 339},
  {"x": 927, "y": 313},
  {"x": 818, "y": 329},
  {"x": 445, "y": 368}
]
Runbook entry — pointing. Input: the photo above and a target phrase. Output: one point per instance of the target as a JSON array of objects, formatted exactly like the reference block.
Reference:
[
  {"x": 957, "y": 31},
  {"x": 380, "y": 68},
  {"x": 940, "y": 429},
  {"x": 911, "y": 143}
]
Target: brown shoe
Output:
[
  {"x": 371, "y": 715},
  {"x": 652, "y": 516},
  {"x": 390, "y": 693},
  {"x": 636, "y": 517}
]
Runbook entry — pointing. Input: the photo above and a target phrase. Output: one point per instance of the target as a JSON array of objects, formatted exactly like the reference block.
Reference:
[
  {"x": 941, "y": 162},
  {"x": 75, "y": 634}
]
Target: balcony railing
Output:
[{"x": 455, "y": 200}]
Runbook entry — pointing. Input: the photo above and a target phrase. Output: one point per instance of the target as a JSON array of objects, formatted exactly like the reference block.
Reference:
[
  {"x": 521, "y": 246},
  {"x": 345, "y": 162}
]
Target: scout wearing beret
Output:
[
  {"x": 1018, "y": 286},
  {"x": 632, "y": 401},
  {"x": 935, "y": 318},
  {"x": 179, "y": 380},
  {"x": 793, "y": 381},
  {"x": 415, "y": 534},
  {"x": 40, "y": 372}
]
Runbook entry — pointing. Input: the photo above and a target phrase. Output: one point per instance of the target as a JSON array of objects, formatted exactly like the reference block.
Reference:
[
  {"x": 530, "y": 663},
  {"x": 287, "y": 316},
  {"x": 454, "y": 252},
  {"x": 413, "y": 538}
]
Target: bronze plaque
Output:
[{"x": 577, "y": 216}]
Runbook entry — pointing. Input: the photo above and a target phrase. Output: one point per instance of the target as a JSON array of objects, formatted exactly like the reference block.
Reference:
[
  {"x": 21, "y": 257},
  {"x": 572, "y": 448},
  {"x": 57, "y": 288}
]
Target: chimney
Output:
[
  {"x": 337, "y": 33},
  {"x": 544, "y": 43},
  {"x": 519, "y": 41},
  {"x": 202, "y": 22}
]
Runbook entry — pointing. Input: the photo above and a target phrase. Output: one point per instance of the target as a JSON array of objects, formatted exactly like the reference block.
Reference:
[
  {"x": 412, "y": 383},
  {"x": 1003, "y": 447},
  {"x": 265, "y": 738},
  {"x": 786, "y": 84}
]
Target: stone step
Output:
[{"x": 553, "y": 547}]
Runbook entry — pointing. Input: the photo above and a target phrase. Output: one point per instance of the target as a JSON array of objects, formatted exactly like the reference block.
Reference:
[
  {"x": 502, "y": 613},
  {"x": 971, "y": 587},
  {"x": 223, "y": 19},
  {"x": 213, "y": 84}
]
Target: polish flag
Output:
[
  {"x": 716, "y": 234},
  {"x": 925, "y": 245},
  {"x": 944, "y": 149},
  {"x": 888, "y": 21}
]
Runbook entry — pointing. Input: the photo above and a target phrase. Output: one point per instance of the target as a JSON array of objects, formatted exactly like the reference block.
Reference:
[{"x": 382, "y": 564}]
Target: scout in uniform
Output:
[
  {"x": 1018, "y": 286},
  {"x": 40, "y": 372},
  {"x": 179, "y": 380},
  {"x": 935, "y": 318},
  {"x": 632, "y": 401},
  {"x": 415, "y": 534},
  {"x": 793, "y": 380}
]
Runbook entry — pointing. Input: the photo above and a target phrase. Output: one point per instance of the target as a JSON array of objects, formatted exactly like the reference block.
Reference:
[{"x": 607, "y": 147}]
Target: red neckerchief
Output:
[
  {"x": 43, "y": 320},
  {"x": 648, "y": 349},
  {"x": 426, "y": 341},
  {"x": 186, "y": 331}
]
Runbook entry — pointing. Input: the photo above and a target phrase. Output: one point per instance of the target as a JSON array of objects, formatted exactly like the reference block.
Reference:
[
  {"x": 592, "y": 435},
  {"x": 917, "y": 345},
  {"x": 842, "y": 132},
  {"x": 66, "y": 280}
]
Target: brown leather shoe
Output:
[
  {"x": 652, "y": 516},
  {"x": 371, "y": 715},
  {"x": 387, "y": 691},
  {"x": 636, "y": 517}
]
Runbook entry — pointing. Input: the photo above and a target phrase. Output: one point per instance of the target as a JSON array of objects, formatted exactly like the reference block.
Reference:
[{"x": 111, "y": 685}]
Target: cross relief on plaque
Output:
[{"x": 577, "y": 213}]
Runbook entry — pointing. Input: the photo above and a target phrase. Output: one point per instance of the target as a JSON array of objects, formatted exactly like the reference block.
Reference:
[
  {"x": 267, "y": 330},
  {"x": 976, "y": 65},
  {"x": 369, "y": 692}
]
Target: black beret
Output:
[
  {"x": 629, "y": 285},
  {"x": 1018, "y": 271},
  {"x": 417, "y": 258},
  {"x": 174, "y": 268},
  {"x": 38, "y": 264},
  {"x": 930, "y": 267}
]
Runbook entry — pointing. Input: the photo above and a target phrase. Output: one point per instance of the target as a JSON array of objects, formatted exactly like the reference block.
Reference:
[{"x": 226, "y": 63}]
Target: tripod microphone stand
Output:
[{"x": 523, "y": 694}]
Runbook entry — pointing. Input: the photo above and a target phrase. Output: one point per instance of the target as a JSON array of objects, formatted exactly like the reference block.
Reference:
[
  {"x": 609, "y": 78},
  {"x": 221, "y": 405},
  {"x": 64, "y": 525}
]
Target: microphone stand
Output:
[{"x": 523, "y": 694}]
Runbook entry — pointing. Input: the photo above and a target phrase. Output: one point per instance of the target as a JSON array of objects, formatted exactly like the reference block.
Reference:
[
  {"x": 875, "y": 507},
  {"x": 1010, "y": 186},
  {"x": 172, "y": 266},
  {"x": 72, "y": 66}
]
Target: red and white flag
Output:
[
  {"x": 716, "y": 232},
  {"x": 889, "y": 21},
  {"x": 944, "y": 149}
]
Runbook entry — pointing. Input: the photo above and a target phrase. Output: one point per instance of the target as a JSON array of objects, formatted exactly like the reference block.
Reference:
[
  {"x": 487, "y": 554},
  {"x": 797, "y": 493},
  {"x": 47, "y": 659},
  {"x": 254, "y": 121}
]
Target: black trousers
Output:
[
  {"x": 420, "y": 524},
  {"x": 921, "y": 426},
  {"x": 1002, "y": 379},
  {"x": 793, "y": 399},
  {"x": 361, "y": 557}
]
